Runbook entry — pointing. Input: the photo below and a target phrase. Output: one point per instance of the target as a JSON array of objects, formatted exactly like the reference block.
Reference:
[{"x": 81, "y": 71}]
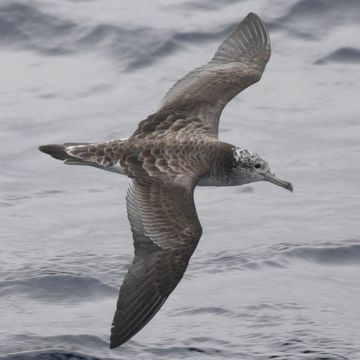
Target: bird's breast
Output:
[{"x": 210, "y": 180}]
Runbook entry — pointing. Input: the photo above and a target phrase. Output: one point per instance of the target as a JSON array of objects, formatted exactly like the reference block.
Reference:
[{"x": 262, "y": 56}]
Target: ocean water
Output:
[{"x": 275, "y": 276}]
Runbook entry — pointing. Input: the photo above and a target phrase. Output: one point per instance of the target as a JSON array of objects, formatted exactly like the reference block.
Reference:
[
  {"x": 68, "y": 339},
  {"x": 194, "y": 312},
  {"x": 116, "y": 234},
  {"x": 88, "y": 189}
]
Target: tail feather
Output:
[
  {"x": 59, "y": 152},
  {"x": 82, "y": 154},
  {"x": 56, "y": 151}
]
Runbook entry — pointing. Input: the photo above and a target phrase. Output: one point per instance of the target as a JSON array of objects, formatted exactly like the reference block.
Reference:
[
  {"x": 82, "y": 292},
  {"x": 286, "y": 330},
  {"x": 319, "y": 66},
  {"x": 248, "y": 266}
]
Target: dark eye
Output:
[{"x": 257, "y": 166}]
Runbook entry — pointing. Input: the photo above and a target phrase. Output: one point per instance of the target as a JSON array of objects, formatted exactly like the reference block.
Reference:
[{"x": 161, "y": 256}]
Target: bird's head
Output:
[{"x": 248, "y": 167}]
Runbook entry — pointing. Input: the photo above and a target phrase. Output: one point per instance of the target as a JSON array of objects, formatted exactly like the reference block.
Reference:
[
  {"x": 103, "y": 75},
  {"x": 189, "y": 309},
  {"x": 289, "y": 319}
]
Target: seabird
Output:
[{"x": 172, "y": 151}]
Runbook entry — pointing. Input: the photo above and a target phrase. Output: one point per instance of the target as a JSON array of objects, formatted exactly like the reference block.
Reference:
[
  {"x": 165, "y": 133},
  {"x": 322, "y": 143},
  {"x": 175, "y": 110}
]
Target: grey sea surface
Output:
[{"x": 275, "y": 276}]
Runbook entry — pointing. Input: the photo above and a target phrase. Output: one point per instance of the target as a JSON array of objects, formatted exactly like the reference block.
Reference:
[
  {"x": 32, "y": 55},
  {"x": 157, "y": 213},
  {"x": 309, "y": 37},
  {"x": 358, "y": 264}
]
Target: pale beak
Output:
[{"x": 268, "y": 176}]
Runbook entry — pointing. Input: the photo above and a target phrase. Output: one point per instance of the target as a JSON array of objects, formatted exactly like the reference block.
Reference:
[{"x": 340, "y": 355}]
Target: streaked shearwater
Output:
[{"x": 171, "y": 152}]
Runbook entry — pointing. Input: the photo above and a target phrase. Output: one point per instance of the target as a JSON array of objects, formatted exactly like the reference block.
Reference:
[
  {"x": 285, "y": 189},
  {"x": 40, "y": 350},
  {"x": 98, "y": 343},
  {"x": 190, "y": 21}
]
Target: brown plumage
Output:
[{"x": 171, "y": 152}]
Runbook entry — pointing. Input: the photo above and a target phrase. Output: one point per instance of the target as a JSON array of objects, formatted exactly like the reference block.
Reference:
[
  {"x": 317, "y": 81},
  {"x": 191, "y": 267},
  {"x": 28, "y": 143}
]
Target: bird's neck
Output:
[{"x": 221, "y": 163}]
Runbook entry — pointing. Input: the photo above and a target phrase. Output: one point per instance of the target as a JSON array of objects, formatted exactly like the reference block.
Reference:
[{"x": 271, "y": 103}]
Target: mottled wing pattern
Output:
[
  {"x": 239, "y": 62},
  {"x": 166, "y": 231},
  {"x": 172, "y": 126}
]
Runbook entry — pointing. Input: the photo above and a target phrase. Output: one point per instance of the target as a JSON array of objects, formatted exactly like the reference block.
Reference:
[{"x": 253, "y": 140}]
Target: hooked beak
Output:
[{"x": 268, "y": 176}]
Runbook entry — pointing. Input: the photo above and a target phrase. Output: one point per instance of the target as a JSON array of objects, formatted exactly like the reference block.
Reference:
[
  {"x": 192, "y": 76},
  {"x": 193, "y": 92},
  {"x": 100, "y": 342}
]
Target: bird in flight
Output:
[{"x": 172, "y": 151}]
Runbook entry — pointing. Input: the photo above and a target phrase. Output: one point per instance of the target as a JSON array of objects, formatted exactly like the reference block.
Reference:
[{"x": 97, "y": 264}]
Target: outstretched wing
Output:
[
  {"x": 166, "y": 231},
  {"x": 239, "y": 62}
]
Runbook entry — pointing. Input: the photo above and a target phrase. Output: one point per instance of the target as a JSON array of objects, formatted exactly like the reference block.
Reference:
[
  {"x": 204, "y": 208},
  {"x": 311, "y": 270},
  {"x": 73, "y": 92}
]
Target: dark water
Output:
[{"x": 275, "y": 276}]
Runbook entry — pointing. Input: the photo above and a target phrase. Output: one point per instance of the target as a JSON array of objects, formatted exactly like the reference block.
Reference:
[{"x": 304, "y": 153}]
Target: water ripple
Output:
[
  {"x": 310, "y": 19},
  {"x": 279, "y": 256},
  {"x": 328, "y": 255},
  {"x": 49, "y": 355},
  {"x": 343, "y": 55},
  {"x": 26, "y": 27},
  {"x": 57, "y": 287}
]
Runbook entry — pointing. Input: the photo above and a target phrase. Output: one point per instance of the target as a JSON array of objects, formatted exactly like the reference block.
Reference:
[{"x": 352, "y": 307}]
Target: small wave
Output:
[
  {"x": 227, "y": 261},
  {"x": 205, "y": 310},
  {"x": 324, "y": 9},
  {"x": 26, "y": 27},
  {"x": 334, "y": 255},
  {"x": 57, "y": 287},
  {"x": 59, "y": 347},
  {"x": 201, "y": 5},
  {"x": 310, "y": 346},
  {"x": 182, "y": 352},
  {"x": 279, "y": 256},
  {"x": 49, "y": 355},
  {"x": 344, "y": 55},
  {"x": 312, "y": 19},
  {"x": 308, "y": 8}
]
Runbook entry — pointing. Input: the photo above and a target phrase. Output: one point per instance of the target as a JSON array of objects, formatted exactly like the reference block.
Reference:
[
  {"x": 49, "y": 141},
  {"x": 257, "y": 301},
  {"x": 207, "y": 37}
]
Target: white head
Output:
[{"x": 248, "y": 167}]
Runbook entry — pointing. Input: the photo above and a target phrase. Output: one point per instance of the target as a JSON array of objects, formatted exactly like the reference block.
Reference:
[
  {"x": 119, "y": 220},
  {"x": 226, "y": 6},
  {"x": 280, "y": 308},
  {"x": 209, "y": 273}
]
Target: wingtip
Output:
[
  {"x": 113, "y": 345},
  {"x": 116, "y": 341},
  {"x": 252, "y": 14},
  {"x": 261, "y": 27},
  {"x": 250, "y": 41}
]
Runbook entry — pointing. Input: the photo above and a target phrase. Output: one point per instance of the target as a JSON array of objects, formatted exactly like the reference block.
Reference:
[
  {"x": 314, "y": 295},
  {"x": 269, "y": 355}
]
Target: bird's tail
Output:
[
  {"x": 102, "y": 156},
  {"x": 60, "y": 152}
]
